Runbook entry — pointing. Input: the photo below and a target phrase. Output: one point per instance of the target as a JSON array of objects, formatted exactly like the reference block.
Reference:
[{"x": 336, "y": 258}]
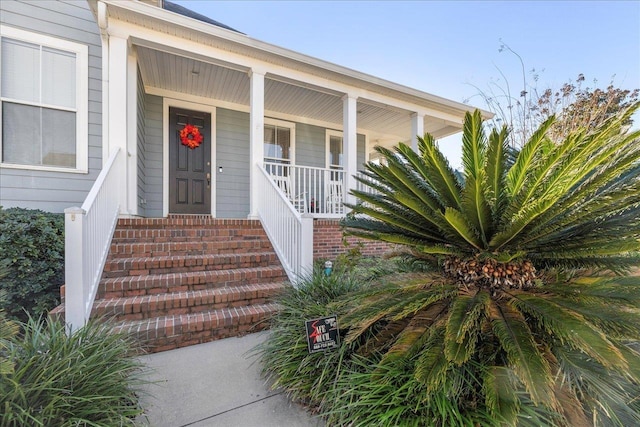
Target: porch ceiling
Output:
[{"x": 174, "y": 73}]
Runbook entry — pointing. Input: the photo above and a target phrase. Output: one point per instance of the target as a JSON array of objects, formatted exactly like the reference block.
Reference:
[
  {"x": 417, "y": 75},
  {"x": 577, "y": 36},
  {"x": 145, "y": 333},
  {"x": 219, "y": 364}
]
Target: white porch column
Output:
[
  {"x": 132, "y": 133},
  {"x": 256, "y": 136},
  {"x": 350, "y": 143},
  {"x": 117, "y": 94},
  {"x": 417, "y": 129}
]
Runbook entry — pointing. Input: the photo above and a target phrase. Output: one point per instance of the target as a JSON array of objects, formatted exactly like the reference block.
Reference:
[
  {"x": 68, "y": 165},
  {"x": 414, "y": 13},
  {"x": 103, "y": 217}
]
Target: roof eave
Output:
[{"x": 173, "y": 19}]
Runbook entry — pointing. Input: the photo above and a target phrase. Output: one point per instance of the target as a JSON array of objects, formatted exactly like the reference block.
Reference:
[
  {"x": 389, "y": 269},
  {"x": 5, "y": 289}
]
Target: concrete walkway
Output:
[{"x": 217, "y": 384}]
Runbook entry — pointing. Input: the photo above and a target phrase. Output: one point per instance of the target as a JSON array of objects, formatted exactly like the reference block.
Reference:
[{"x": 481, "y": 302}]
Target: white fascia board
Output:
[{"x": 323, "y": 67}]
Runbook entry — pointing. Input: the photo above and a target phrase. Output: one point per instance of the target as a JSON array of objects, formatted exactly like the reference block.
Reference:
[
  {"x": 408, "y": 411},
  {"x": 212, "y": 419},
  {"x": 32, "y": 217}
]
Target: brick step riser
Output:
[
  {"x": 180, "y": 270},
  {"x": 121, "y": 235},
  {"x": 112, "y": 271},
  {"x": 203, "y": 222},
  {"x": 184, "y": 282},
  {"x": 132, "y": 311},
  {"x": 189, "y": 248},
  {"x": 169, "y": 333}
]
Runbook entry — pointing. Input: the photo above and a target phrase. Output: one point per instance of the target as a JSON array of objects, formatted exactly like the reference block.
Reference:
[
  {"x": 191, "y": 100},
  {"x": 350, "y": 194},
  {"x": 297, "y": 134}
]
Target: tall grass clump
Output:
[
  {"x": 50, "y": 379},
  {"x": 305, "y": 377}
]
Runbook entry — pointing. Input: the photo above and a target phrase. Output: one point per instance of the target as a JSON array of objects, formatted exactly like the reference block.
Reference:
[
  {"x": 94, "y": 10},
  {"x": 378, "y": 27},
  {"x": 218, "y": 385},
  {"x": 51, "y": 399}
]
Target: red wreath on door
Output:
[{"x": 191, "y": 136}]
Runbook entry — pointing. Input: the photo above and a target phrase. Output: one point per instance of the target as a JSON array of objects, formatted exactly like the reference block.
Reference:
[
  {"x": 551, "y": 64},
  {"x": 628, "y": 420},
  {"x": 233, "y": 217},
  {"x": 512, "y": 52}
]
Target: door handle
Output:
[{"x": 208, "y": 179}]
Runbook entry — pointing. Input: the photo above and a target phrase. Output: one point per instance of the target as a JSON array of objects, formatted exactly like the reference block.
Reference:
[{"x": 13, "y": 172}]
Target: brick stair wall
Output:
[
  {"x": 329, "y": 242},
  {"x": 188, "y": 279}
]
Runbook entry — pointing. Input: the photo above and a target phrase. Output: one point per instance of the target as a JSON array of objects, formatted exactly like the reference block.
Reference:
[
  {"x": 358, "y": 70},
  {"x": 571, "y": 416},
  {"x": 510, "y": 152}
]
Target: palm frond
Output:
[
  {"x": 570, "y": 405},
  {"x": 616, "y": 317},
  {"x": 463, "y": 325},
  {"x": 458, "y": 222},
  {"x": 442, "y": 176},
  {"x": 589, "y": 152},
  {"x": 501, "y": 395},
  {"x": 609, "y": 398},
  {"x": 497, "y": 161},
  {"x": 394, "y": 303},
  {"x": 474, "y": 157},
  {"x": 523, "y": 355},
  {"x": 382, "y": 339},
  {"x": 428, "y": 170},
  {"x": 412, "y": 338},
  {"x": 432, "y": 365},
  {"x": 516, "y": 176},
  {"x": 571, "y": 328}
]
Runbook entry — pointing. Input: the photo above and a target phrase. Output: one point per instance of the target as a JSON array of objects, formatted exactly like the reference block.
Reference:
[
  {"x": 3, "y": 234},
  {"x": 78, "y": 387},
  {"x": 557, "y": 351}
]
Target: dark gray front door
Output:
[{"x": 189, "y": 168}]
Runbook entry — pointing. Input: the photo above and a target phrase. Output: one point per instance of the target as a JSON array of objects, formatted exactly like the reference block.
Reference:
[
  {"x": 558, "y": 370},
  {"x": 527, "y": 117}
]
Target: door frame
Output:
[{"x": 195, "y": 106}]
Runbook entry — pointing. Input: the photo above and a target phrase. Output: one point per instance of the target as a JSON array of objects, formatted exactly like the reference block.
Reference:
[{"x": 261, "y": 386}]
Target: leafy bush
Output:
[
  {"x": 32, "y": 246},
  {"x": 285, "y": 357},
  {"x": 87, "y": 379}
]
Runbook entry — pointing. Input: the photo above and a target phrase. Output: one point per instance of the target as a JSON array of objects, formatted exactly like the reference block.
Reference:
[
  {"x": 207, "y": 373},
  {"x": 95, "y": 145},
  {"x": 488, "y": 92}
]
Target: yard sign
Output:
[{"x": 322, "y": 334}]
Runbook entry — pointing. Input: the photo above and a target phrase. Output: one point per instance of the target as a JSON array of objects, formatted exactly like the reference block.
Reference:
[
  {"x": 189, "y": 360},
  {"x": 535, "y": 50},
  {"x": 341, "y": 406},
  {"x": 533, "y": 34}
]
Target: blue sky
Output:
[{"x": 448, "y": 47}]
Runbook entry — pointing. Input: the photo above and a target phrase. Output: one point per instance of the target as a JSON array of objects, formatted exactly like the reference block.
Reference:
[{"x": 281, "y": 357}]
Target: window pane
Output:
[
  {"x": 335, "y": 150},
  {"x": 270, "y": 147},
  {"x": 20, "y": 134},
  {"x": 284, "y": 141},
  {"x": 20, "y": 70},
  {"x": 277, "y": 143},
  {"x": 38, "y": 136},
  {"x": 59, "y": 138},
  {"x": 58, "y": 77}
]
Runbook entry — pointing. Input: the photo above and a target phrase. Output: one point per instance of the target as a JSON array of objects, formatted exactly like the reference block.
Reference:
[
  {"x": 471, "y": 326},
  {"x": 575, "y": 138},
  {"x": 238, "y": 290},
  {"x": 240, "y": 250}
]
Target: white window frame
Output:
[
  {"x": 292, "y": 135},
  {"x": 82, "y": 97},
  {"x": 328, "y": 134}
]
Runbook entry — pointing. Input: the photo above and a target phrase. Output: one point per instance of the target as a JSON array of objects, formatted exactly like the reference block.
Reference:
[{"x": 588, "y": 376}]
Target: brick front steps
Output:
[{"x": 186, "y": 279}]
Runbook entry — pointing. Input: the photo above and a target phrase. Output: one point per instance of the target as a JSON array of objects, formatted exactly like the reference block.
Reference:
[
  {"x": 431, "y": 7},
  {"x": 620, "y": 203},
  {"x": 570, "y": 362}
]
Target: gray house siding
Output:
[
  {"x": 232, "y": 154},
  {"x": 141, "y": 143},
  {"x": 153, "y": 155},
  {"x": 46, "y": 190},
  {"x": 311, "y": 145}
]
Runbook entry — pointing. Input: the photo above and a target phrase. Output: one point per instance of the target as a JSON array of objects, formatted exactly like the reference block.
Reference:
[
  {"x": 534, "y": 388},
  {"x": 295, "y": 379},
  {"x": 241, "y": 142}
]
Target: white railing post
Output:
[
  {"x": 306, "y": 251},
  {"x": 88, "y": 233},
  {"x": 74, "y": 272}
]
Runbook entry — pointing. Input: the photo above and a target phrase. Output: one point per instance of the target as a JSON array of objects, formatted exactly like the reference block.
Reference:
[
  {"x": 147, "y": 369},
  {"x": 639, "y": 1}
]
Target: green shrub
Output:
[
  {"x": 88, "y": 379},
  {"x": 305, "y": 377},
  {"x": 32, "y": 245}
]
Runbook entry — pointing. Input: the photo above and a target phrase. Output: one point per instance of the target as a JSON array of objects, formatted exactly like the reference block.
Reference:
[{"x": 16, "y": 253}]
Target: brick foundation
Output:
[{"x": 328, "y": 242}]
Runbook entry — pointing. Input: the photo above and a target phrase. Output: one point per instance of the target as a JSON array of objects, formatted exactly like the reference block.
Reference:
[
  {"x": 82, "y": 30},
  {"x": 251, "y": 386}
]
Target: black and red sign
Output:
[{"x": 322, "y": 334}]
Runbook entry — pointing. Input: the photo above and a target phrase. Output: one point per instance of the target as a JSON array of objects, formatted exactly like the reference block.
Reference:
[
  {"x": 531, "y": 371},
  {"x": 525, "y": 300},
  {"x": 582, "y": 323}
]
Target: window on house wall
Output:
[
  {"x": 43, "y": 94},
  {"x": 335, "y": 154},
  {"x": 334, "y": 150},
  {"x": 278, "y": 147}
]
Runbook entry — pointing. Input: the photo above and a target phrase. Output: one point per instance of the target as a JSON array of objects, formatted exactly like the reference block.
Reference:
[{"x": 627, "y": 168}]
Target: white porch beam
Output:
[
  {"x": 350, "y": 142},
  {"x": 256, "y": 136},
  {"x": 417, "y": 129},
  {"x": 117, "y": 94}
]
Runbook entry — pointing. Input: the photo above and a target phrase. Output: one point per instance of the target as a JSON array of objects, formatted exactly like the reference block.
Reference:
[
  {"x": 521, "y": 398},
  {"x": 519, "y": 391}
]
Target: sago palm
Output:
[{"x": 510, "y": 325}]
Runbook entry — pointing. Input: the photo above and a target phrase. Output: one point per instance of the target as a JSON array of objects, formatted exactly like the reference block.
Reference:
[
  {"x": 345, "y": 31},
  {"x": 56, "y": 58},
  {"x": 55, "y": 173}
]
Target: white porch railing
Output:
[
  {"x": 290, "y": 232},
  {"x": 362, "y": 187},
  {"x": 323, "y": 189},
  {"x": 88, "y": 233}
]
